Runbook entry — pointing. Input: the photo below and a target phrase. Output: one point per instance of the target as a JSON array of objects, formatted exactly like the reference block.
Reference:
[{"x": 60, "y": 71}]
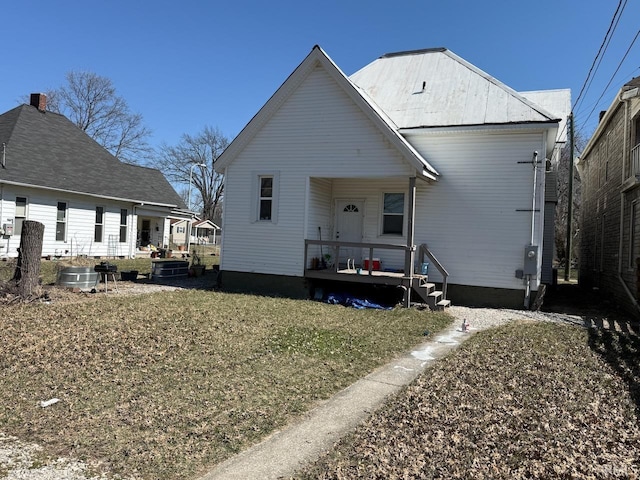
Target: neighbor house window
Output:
[
  {"x": 61, "y": 222},
  {"x": 393, "y": 213},
  {"x": 21, "y": 214},
  {"x": 123, "y": 225},
  {"x": 265, "y": 201},
  {"x": 97, "y": 237}
]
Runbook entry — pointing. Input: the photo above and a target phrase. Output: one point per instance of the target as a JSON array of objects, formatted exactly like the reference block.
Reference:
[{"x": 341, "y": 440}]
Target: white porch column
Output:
[{"x": 410, "y": 253}]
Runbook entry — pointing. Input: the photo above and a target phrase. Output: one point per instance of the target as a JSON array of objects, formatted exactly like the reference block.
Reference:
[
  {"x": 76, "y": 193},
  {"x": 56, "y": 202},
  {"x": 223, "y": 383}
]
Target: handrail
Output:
[
  {"x": 424, "y": 250},
  {"x": 336, "y": 245}
]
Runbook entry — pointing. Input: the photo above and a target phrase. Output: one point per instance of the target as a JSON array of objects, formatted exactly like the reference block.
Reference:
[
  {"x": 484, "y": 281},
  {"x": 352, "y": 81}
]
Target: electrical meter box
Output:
[
  {"x": 531, "y": 260},
  {"x": 8, "y": 229}
]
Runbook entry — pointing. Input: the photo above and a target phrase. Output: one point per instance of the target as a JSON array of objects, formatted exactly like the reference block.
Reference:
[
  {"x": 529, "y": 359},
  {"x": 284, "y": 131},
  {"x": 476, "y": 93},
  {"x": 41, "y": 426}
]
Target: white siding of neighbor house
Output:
[
  {"x": 337, "y": 140},
  {"x": 81, "y": 214},
  {"x": 469, "y": 218}
]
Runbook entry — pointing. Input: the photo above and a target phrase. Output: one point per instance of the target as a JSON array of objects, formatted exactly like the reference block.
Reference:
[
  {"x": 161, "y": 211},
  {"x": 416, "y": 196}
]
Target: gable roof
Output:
[
  {"x": 436, "y": 88},
  {"x": 45, "y": 149},
  {"x": 206, "y": 224},
  {"x": 317, "y": 57}
]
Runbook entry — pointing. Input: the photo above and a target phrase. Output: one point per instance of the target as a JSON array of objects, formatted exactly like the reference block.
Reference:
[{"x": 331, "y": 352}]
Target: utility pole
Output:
[{"x": 567, "y": 262}]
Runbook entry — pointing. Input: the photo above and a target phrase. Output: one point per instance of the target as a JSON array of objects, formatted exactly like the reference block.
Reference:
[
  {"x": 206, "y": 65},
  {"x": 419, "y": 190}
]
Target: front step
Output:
[{"x": 429, "y": 295}]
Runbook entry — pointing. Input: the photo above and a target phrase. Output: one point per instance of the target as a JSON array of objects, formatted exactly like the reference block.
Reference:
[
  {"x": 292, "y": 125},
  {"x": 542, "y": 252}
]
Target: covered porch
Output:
[{"x": 370, "y": 271}]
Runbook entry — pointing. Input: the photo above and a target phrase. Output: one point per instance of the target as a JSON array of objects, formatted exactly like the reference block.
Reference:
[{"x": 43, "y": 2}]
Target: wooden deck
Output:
[{"x": 351, "y": 275}]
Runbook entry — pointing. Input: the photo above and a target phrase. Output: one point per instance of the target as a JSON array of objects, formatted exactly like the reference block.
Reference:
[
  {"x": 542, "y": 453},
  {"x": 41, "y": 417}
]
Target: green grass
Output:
[
  {"x": 527, "y": 400},
  {"x": 165, "y": 385}
]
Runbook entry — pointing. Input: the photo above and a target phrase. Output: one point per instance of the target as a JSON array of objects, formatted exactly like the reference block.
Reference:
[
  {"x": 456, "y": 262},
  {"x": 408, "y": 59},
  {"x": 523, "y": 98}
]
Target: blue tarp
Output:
[{"x": 348, "y": 301}]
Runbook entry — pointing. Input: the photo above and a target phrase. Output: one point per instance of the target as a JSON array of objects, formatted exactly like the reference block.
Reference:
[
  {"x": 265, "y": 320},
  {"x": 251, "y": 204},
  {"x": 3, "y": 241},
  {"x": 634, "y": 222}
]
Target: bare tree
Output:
[
  {"x": 179, "y": 162},
  {"x": 92, "y": 103}
]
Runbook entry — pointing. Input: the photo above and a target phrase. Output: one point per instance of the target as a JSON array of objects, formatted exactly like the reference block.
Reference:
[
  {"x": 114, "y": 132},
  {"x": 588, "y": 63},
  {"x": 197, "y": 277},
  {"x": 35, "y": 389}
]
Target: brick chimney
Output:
[{"x": 39, "y": 100}]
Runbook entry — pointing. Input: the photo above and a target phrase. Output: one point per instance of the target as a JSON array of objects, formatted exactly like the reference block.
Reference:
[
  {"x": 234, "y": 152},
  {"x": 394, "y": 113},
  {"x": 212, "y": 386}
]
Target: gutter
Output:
[{"x": 93, "y": 195}]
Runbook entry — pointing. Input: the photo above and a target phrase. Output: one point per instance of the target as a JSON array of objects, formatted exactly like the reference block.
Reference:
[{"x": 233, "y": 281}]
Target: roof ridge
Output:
[{"x": 414, "y": 52}]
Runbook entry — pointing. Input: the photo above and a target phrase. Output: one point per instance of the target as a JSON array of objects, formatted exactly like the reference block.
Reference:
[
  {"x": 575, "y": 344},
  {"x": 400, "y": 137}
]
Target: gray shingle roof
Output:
[{"x": 45, "y": 149}]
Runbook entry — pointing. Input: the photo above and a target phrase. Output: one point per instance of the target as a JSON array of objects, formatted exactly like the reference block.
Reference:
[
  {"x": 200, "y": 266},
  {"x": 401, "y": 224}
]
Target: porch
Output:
[{"x": 366, "y": 272}]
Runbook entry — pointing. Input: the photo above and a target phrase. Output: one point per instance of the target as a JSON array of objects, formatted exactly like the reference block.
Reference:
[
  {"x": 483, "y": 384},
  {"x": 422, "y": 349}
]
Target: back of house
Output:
[{"x": 419, "y": 157}]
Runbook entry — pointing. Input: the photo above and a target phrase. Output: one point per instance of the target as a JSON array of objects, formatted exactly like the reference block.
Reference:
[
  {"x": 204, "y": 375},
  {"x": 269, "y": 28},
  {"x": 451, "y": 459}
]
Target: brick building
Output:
[{"x": 610, "y": 225}]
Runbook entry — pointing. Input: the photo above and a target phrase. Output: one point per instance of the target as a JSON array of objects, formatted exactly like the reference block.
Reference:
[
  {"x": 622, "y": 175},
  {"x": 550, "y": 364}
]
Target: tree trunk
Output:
[{"x": 27, "y": 274}]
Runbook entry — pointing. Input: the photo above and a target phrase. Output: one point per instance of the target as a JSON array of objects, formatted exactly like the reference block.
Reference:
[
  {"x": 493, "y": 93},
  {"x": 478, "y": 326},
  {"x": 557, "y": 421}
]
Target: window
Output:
[
  {"x": 61, "y": 222},
  {"x": 97, "y": 237},
  {"x": 123, "y": 225},
  {"x": 393, "y": 214},
  {"x": 21, "y": 214},
  {"x": 265, "y": 200},
  {"x": 180, "y": 230}
]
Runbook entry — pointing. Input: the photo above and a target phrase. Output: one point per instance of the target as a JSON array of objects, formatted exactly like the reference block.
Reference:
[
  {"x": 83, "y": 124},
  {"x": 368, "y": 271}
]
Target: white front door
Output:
[{"x": 349, "y": 216}]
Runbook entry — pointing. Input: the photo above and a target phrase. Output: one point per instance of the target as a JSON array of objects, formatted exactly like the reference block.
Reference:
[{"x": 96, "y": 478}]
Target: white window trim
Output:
[
  {"x": 66, "y": 220},
  {"x": 255, "y": 195},
  {"x": 633, "y": 227},
  {"x": 404, "y": 216}
]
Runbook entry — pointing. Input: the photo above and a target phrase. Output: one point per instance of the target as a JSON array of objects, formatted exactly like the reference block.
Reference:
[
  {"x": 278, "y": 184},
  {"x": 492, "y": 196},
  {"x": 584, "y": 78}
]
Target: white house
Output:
[
  {"x": 90, "y": 203},
  {"x": 418, "y": 157}
]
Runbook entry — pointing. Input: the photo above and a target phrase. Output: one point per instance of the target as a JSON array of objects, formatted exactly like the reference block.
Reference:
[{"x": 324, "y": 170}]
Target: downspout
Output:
[
  {"x": 527, "y": 290},
  {"x": 625, "y": 154},
  {"x": 411, "y": 248}
]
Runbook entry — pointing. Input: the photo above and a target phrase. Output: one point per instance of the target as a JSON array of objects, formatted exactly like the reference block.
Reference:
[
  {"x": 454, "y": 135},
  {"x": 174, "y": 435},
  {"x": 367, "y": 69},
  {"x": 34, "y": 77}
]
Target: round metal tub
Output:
[
  {"x": 77, "y": 277},
  {"x": 168, "y": 269}
]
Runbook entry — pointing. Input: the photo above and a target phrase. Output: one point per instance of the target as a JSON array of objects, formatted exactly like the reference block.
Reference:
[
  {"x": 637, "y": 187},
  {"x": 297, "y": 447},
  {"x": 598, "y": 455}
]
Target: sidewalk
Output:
[{"x": 286, "y": 451}]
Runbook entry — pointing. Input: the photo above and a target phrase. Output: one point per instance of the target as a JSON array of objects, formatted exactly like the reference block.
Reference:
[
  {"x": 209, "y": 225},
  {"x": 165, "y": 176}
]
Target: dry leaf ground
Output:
[
  {"x": 526, "y": 400},
  {"x": 165, "y": 385}
]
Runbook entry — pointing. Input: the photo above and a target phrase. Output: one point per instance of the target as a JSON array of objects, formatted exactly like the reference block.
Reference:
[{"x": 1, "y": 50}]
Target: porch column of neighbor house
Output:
[{"x": 411, "y": 248}]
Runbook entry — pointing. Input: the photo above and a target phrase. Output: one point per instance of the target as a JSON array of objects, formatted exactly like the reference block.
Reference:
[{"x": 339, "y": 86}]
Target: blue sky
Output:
[{"x": 184, "y": 65}]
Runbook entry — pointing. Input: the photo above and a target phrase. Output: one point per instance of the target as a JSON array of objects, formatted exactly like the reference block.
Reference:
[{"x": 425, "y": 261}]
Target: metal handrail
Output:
[{"x": 424, "y": 250}]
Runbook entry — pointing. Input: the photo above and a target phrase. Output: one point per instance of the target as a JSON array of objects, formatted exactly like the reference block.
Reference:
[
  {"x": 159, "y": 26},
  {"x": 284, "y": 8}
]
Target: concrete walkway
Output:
[{"x": 285, "y": 451}]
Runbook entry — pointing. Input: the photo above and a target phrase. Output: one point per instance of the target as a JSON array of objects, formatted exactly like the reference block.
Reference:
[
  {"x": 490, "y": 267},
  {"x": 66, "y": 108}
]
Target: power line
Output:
[
  {"x": 612, "y": 77},
  {"x": 603, "y": 46}
]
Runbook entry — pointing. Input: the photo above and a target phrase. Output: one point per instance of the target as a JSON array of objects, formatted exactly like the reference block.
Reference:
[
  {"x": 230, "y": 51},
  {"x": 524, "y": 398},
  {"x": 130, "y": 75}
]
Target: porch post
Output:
[{"x": 410, "y": 252}]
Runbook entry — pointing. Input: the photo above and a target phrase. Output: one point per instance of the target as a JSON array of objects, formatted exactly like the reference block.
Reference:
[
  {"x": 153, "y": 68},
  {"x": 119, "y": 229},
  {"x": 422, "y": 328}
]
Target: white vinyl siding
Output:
[
  {"x": 338, "y": 140},
  {"x": 477, "y": 218}
]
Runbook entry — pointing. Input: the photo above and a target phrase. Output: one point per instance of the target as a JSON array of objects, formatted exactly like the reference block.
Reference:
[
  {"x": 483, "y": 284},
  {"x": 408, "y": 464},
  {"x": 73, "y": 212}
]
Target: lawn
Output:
[
  {"x": 527, "y": 400},
  {"x": 166, "y": 385}
]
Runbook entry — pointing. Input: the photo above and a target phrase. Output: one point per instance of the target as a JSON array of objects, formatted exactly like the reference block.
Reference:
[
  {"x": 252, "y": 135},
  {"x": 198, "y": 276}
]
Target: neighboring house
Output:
[
  {"x": 419, "y": 155},
  {"x": 90, "y": 203},
  {"x": 609, "y": 170},
  {"x": 203, "y": 232}
]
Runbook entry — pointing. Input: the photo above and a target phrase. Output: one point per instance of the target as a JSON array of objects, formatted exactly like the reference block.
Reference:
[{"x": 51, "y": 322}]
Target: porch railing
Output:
[
  {"x": 424, "y": 251},
  {"x": 335, "y": 247}
]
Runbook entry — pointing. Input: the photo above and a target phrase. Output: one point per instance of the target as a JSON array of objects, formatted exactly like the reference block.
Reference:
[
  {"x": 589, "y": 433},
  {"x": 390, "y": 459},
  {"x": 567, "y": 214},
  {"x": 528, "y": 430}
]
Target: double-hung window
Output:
[
  {"x": 265, "y": 201},
  {"x": 393, "y": 214},
  {"x": 97, "y": 237},
  {"x": 123, "y": 225},
  {"x": 21, "y": 214},
  {"x": 61, "y": 222}
]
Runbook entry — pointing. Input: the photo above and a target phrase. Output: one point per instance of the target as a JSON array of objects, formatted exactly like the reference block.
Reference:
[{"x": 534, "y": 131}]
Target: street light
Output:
[
  {"x": 191, "y": 179},
  {"x": 189, "y": 200}
]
